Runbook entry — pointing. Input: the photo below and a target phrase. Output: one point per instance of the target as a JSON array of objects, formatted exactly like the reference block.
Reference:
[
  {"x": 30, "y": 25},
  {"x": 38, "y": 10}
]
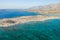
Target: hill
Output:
[{"x": 51, "y": 8}]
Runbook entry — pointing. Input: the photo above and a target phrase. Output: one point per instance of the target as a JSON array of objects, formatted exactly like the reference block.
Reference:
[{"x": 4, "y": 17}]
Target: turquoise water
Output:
[{"x": 40, "y": 30}]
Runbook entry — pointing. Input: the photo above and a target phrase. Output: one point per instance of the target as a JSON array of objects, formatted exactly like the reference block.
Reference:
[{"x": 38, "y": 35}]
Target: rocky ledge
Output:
[{"x": 19, "y": 20}]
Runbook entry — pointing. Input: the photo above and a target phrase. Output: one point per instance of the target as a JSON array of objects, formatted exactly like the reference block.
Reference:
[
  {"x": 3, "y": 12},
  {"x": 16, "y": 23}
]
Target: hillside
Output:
[{"x": 51, "y": 8}]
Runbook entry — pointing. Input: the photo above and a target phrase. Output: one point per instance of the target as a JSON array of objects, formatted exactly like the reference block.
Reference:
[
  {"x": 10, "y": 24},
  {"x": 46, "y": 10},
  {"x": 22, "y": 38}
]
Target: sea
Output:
[
  {"x": 34, "y": 30},
  {"x": 15, "y": 13}
]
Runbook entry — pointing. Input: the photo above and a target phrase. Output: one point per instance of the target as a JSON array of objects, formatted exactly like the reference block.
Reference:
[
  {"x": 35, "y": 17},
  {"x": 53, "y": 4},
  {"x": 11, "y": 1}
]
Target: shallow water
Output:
[
  {"x": 40, "y": 30},
  {"x": 35, "y": 30}
]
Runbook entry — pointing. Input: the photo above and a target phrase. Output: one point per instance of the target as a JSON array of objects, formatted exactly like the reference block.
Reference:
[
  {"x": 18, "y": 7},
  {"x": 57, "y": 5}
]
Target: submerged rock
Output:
[
  {"x": 35, "y": 30},
  {"x": 9, "y": 21}
]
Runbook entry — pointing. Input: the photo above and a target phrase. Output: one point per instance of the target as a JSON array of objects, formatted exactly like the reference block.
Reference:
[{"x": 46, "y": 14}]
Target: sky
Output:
[{"x": 23, "y": 4}]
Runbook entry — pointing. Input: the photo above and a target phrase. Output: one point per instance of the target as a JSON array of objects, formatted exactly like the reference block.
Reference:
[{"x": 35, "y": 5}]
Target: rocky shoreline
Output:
[{"x": 19, "y": 20}]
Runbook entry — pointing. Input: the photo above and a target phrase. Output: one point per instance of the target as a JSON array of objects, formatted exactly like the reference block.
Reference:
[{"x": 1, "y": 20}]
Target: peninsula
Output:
[{"x": 19, "y": 20}]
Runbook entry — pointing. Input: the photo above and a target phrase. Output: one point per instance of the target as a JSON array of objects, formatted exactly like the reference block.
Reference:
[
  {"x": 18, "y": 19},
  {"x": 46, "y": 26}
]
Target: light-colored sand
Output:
[{"x": 24, "y": 19}]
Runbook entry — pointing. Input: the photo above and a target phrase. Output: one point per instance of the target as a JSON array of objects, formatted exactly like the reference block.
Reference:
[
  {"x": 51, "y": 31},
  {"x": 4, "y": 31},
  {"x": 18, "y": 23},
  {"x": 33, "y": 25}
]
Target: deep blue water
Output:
[
  {"x": 40, "y": 30},
  {"x": 11, "y": 14}
]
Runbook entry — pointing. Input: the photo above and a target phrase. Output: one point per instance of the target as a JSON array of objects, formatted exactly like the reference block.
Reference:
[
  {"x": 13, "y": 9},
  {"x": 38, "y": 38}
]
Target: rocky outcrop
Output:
[{"x": 19, "y": 20}]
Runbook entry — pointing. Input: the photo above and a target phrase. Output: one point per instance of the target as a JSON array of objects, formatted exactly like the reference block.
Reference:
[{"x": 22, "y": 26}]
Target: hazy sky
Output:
[{"x": 21, "y": 4}]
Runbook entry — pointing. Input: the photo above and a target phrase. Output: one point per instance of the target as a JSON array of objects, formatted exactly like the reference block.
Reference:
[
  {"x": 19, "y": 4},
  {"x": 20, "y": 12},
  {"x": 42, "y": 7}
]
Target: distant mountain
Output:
[
  {"x": 51, "y": 8},
  {"x": 47, "y": 7}
]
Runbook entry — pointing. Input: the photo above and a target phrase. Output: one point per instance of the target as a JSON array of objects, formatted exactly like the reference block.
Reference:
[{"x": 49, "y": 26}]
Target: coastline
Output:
[{"x": 19, "y": 20}]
